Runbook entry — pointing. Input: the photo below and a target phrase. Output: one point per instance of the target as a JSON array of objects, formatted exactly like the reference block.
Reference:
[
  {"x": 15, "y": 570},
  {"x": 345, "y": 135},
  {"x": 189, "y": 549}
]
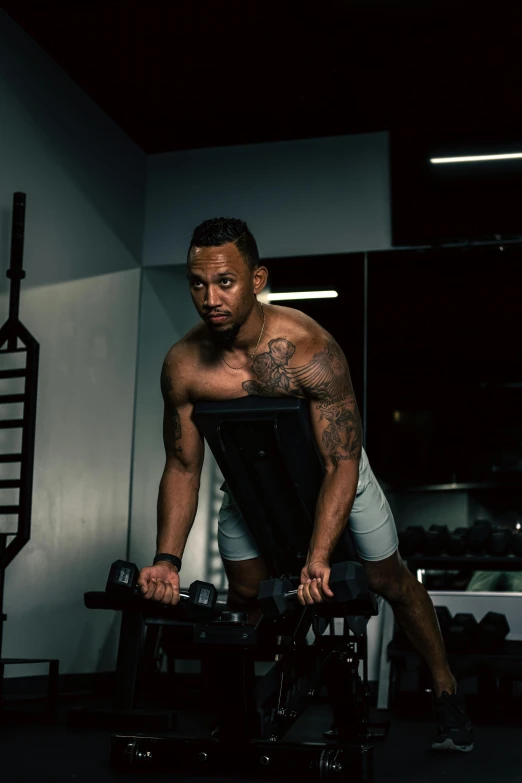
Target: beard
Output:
[{"x": 224, "y": 338}]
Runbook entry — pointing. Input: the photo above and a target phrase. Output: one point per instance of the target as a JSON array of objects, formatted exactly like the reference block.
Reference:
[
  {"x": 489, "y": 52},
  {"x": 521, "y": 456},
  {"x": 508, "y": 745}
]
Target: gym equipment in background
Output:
[
  {"x": 19, "y": 354},
  {"x": 483, "y": 546}
]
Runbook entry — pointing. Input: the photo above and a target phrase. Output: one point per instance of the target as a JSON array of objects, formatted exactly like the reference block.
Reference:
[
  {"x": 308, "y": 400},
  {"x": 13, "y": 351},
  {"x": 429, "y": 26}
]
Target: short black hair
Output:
[{"x": 221, "y": 231}]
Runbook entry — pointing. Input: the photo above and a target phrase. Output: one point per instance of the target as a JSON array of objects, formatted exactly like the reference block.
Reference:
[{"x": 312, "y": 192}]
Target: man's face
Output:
[{"x": 222, "y": 289}]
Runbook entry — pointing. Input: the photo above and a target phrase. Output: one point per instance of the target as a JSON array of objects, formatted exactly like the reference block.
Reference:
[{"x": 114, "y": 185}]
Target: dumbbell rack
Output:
[
  {"x": 482, "y": 664},
  {"x": 442, "y": 562},
  {"x": 17, "y": 345},
  {"x": 475, "y": 562}
]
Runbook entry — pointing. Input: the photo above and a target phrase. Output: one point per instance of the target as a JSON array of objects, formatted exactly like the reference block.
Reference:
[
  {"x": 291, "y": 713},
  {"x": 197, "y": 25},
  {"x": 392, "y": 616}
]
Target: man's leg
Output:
[
  {"x": 414, "y": 611},
  {"x": 244, "y": 577},
  {"x": 375, "y": 537},
  {"x": 244, "y": 567}
]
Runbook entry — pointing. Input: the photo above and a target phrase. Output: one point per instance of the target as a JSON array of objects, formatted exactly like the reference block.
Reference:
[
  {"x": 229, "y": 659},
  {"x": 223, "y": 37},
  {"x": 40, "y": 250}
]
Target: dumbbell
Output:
[
  {"x": 491, "y": 632},
  {"x": 436, "y": 540},
  {"x": 461, "y": 633},
  {"x": 347, "y": 582},
  {"x": 456, "y": 545},
  {"x": 478, "y": 536},
  {"x": 411, "y": 540},
  {"x": 122, "y": 584},
  {"x": 499, "y": 541},
  {"x": 516, "y": 543}
]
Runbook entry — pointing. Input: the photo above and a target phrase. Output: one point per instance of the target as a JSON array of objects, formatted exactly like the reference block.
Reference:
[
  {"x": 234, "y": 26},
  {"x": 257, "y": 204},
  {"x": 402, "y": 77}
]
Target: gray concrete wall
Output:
[
  {"x": 306, "y": 197},
  {"x": 87, "y": 331},
  {"x": 84, "y": 178}
]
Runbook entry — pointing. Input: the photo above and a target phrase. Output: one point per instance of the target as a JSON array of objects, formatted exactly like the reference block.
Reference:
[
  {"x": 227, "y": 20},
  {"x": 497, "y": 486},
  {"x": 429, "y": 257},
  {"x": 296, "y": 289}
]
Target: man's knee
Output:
[
  {"x": 389, "y": 578},
  {"x": 243, "y": 594},
  {"x": 244, "y": 578}
]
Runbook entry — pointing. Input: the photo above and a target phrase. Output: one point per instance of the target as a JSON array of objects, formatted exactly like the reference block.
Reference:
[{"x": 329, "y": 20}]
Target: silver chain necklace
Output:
[{"x": 255, "y": 349}]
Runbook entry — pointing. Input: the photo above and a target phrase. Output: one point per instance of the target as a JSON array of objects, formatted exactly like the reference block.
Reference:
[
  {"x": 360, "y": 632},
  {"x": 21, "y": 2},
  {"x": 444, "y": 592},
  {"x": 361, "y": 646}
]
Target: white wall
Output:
[
  {"x": 87, "y": 331},
  {"x": 166, "y": 314},
  {"x": 85, "y": 185},
  {"x": 299, "y": 197}
]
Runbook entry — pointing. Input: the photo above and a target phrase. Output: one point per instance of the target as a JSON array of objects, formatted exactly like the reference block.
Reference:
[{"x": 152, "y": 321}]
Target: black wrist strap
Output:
[{"x": 162, "y": 557}]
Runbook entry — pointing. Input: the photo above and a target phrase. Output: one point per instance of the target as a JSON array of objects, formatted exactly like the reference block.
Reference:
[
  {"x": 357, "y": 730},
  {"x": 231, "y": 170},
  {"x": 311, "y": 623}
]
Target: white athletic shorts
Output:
[{"x": 371, "y": 522}]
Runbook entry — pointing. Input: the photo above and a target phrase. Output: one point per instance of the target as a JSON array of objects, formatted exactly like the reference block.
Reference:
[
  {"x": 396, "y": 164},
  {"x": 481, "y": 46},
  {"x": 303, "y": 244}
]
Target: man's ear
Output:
[{"x": 260, "y": 279}]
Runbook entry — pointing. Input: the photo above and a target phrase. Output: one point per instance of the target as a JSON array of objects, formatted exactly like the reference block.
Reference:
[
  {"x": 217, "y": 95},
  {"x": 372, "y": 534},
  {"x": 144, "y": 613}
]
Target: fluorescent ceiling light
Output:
[
  {"x": 474, "y": 158},
  {"x": 302, "y": 295}
]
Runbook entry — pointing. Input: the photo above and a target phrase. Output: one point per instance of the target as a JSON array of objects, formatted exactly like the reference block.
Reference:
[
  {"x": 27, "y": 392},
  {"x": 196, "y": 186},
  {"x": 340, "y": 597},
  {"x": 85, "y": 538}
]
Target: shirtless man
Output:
[{"x": 243, "y": 347}]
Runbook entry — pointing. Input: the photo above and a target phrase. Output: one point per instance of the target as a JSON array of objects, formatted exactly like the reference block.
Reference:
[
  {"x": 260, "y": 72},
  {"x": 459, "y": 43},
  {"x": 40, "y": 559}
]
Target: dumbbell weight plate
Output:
[
  {"x": 491, "y": 632},
  {"x": 456, "y": 544},
  {"x": 436, "y": 540},
  {"x": 498, "y": 544},
  {"x": 516, "y": 543},
  {"x": 272, "y": 597},
  {"x": 478, "y": 536},
  {"x": 202, "y": 597},
  {"x": 122, "y": 581},
  {"x": 348, "y": 581},
  {"x": 433, "y": 542},
  {"x": 411, "y": 540},
  {"x": 460, "y": 637}
]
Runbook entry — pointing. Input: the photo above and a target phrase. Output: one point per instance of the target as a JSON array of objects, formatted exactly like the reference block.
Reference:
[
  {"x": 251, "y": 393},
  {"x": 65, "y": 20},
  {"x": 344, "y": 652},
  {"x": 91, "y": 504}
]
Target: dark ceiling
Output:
[{"x": 179, "y": 74}]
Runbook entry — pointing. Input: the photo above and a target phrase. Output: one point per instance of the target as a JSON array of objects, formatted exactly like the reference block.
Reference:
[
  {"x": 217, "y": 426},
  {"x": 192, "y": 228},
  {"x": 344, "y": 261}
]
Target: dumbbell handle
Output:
[
  {"x": 184, "y": 595},
  {"x": 291, "y": 594}
]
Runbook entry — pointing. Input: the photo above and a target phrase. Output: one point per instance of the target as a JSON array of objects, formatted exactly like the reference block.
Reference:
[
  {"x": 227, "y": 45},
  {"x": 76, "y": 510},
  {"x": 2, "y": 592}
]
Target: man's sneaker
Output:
[{"x": 454, "y": 726}]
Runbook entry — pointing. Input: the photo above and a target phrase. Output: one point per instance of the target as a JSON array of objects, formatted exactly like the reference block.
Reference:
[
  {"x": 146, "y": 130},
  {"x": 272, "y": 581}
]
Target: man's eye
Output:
[
  {"x": 196, "y": 284},
  {"x": 225, "y": 281}
]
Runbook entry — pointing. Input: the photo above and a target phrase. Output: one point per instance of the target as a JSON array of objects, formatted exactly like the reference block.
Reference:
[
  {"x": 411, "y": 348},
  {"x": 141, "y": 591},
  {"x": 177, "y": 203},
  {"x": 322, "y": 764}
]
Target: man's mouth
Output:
[{"x": 216, "y": 317}]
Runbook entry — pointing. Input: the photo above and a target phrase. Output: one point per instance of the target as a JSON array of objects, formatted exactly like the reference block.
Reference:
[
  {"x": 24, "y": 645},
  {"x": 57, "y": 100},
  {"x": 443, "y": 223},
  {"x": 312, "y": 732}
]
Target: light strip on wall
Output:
[
  {"x": 302, "y": 295},
  {"x": 475, "y": 158}
]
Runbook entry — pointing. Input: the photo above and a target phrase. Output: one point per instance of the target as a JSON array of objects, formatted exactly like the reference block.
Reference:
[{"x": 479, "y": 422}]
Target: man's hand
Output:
[
  {"x": 314, "y": 587},
  {"x": 160, "y": 583}
]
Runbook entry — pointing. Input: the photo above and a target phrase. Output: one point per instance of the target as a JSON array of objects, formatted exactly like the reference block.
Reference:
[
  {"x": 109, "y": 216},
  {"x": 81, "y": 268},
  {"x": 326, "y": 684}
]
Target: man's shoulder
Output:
[
  {"x": 188, "y": 347},
  {"x": 181, "y": 362},
  {"x": 299, "y": 329}
]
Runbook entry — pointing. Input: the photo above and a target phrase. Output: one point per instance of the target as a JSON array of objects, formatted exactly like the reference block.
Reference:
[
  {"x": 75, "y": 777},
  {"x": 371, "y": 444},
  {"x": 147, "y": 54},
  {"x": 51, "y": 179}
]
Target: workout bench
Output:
[{"x": 266, "y": 451}]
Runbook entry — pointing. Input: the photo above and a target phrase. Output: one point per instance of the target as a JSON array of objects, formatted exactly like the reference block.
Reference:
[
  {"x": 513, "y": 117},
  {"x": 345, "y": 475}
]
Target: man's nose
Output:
[{"x": 212, "y": 298}]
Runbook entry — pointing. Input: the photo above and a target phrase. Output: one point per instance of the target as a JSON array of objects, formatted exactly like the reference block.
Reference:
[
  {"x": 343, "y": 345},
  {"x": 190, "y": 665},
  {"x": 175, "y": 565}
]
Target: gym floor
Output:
[{"x": 38, "y": 750}]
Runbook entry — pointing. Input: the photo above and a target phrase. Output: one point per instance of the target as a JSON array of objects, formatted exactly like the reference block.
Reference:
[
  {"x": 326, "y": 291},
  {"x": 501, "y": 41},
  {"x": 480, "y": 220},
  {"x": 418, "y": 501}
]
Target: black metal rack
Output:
[
  {"x": 16, "y": 343},
  {"x": 471, "y": 562}
]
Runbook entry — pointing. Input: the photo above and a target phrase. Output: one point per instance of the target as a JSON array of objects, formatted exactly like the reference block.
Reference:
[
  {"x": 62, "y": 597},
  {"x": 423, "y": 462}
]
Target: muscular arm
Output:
[
  {"x": 179, "y": 485},
  {"x": 325, "y": 381}
]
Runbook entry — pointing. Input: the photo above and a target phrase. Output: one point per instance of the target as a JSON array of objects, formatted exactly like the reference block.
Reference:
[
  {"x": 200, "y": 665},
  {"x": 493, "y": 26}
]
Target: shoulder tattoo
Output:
[{"x": 325, "y": 379}]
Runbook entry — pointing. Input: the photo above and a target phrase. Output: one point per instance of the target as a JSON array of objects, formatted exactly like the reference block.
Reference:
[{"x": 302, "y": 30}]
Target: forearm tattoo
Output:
[
  {"x": 325, "y": 379},
  {"x": 171, "y": 420}
]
